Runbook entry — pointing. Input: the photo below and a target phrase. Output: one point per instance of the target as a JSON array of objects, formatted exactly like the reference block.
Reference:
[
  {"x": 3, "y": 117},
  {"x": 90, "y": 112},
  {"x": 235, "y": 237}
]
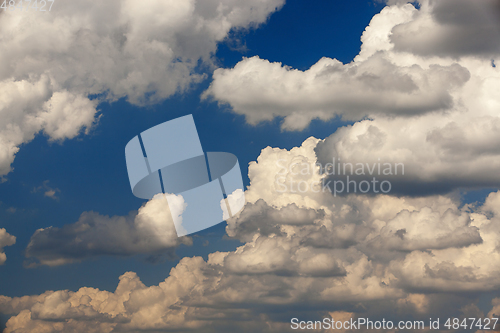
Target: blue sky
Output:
[
  {"x": 91, "y": 173},
  {"x": 87, "y": 172}
]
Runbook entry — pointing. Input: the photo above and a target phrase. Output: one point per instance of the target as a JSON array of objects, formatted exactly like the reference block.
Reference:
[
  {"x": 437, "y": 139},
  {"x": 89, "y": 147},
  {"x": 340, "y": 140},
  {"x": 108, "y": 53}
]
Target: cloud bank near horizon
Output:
[{"x": 358, "y": 254}]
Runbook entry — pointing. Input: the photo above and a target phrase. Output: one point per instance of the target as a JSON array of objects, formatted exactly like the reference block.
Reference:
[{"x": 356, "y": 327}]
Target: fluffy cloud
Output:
[
  {"x": 310, "y": 248},
  {"x": 435, "y": 113},
  {"x": 439, "y": 153},
  {"x": 383, "y": 80},
  {"x": 149, "y": 230},
  {"x": 144, "y": 51},
  {"x": 6, "y": 239},
  {"x": 261, "y": 90},
  {"x": 451, "y": 28},
  {"x": 426, "y": 100},
  {"x": 305, "y": 250}
]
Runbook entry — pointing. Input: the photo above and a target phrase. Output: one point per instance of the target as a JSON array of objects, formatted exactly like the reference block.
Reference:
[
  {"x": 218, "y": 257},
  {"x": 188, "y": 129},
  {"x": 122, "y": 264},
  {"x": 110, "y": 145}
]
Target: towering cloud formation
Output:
[
  {"x": 435, "y": 112},
  {"x": 372, "y": 256}
]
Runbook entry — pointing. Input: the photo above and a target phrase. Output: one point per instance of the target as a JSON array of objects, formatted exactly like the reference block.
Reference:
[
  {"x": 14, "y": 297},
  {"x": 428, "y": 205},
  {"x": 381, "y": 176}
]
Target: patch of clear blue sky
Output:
[{"x": 90, "y": 170}]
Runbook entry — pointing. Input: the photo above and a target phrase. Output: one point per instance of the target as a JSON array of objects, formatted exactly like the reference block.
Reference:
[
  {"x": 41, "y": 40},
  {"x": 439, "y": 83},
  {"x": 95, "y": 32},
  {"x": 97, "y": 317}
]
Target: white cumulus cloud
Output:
[
  {"x": 306, "y": 250},
  {"x": 54, "y": 62},
  {"x": 149, "y": 230}
]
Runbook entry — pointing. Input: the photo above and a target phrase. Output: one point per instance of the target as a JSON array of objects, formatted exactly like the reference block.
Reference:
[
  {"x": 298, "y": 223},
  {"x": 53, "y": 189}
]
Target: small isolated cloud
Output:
[
  {"x": 50, "y": 194},
  {"x": 6, "y": 239},
  {"x": 149, "y": 230},
  {"x": 48, "y": 191}
]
